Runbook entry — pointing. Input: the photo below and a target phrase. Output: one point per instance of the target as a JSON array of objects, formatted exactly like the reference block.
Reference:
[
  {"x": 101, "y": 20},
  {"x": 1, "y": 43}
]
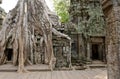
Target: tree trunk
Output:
[{"x": 19, "y": 28}]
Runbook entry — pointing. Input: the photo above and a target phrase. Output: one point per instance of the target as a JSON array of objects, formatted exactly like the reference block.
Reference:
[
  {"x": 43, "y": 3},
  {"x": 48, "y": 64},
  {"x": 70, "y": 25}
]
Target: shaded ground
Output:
[{"x": 75, "y": 74}]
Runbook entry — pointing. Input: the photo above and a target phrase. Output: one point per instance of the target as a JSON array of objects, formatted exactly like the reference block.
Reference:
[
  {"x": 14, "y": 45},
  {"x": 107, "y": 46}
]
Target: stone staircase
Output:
[{"x": 97, "y": 64}]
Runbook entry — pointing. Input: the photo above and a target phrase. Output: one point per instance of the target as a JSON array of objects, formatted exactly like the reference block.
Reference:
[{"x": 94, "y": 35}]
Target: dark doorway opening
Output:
[
  {"x": 95, "y": 52},
  {"x": 9, "y": 54}
]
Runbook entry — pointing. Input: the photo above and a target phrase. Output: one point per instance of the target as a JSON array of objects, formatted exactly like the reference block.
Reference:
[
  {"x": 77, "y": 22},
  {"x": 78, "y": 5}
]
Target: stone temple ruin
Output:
[
  {"x": 87, "y": 31},
  {"x": 87, "y": 44},
  {"x": 38, "y": 49}
]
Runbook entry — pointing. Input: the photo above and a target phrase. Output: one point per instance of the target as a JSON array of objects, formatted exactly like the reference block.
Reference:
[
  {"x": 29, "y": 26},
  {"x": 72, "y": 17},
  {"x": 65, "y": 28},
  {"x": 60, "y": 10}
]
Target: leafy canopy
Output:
[{"x": 61, "y": 8}]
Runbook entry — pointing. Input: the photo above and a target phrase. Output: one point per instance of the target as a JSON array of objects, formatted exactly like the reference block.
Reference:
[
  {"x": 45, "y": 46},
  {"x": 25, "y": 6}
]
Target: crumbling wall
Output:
[
  {"x": 88, "y": 17},
  {"x": 61, "y": 46},
  {"x": 111, "y": 10}
]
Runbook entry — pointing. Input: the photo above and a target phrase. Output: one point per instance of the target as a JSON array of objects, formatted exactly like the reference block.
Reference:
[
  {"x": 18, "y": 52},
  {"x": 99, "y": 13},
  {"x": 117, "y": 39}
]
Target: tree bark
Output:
[{"x": 19, "y": 28}]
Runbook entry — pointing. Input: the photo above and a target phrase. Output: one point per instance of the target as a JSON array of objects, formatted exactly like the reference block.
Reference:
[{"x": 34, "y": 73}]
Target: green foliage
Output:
[
  {"x": 96, "y": 22},
  {"x": 61, "y": 7},
  {"x": 92, "y": 23}
]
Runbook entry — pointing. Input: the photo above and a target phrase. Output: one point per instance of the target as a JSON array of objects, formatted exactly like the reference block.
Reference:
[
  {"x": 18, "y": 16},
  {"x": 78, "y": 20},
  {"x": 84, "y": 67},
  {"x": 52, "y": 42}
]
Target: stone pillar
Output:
[
  {"x": 81, "y": 46},
  {"x": 111, "y": 10},
  {"x": 88, "y": 51}
]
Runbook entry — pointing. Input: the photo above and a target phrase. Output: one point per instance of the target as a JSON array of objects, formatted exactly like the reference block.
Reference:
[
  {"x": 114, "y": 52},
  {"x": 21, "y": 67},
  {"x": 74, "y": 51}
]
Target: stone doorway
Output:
[
  {"x": 9, "y": 54},
  {"x": 97, "y": 52}
]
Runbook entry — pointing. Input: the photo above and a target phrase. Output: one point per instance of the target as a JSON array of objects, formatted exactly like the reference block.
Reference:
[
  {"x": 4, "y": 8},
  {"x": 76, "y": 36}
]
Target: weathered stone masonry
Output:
[{"x": 111, "y": 10}]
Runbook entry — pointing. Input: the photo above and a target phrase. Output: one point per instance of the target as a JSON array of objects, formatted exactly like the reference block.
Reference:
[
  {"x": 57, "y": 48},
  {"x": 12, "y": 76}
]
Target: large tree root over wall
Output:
[{"x": 19, "y": 28}]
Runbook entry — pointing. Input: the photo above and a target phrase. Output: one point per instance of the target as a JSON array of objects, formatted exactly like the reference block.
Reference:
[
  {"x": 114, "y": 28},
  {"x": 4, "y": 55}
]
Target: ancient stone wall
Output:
[
  {"x": 111, "y": 10},
  {"x": 88, "y": 16},
  {"x": 61, "y": 46},
  {"x": 89, "y": 20}
]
